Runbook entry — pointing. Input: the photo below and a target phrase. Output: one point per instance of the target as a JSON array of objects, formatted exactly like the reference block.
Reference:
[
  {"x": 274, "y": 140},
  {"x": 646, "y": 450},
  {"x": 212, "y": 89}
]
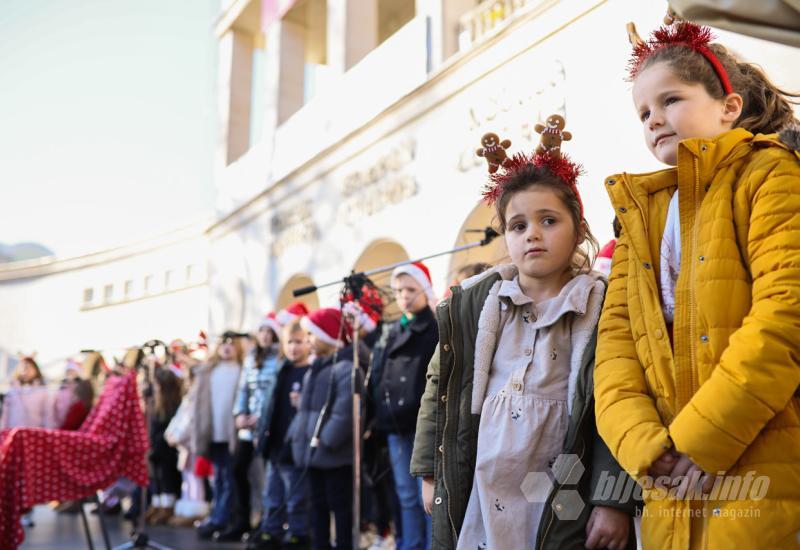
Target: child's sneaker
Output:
[{"x": 295, "y": 542}]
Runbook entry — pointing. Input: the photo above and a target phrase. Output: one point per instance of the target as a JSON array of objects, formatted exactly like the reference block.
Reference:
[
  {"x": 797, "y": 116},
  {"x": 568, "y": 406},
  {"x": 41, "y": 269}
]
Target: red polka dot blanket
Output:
[{"x": 38, "y": 465}]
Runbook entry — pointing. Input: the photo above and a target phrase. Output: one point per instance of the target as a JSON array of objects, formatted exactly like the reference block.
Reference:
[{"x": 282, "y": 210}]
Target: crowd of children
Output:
[{"x": 681, "y": 365}]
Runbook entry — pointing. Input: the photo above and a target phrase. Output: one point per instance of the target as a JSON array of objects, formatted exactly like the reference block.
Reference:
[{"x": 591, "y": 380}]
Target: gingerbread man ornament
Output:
[
  {"x": 553, "y": 134},
  {"x": 493, "y": 150}
]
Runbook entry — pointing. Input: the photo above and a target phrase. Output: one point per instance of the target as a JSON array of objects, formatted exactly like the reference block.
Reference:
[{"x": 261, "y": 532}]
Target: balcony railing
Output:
[{"x": 486, "y": 17}]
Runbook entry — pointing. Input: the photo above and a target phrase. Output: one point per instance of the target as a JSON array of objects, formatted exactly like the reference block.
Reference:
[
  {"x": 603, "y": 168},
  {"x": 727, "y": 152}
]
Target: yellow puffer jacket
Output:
[{"x": 725, "y": 392}]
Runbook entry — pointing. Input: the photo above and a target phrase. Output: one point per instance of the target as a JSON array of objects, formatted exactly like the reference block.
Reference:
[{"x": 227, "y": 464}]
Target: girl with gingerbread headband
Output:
[
  {"x": 506, "y": 441},
  {"x": 698, "y": 361}
]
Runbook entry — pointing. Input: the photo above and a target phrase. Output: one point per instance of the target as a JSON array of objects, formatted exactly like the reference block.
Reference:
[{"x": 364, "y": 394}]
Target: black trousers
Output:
[
  {"x": 242, "y": 457},
  {"x": 331, "y": 491}
]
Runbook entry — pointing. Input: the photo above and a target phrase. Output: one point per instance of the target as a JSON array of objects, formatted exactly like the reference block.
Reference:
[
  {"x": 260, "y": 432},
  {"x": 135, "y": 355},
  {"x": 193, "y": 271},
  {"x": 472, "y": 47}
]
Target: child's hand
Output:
[
  {"x": 428, "y": 487},
  {"x": 607, "y": 528},
  {"x": 686, "y": 472},
  {"x": 664, "y": 464}
]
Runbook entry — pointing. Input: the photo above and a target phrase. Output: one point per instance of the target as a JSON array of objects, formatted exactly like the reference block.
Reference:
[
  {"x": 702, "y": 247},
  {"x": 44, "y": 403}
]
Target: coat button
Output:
[
  {"x": 446, "y": 347},
  {"x": 702, "y": 258},
  {"x": 441, "y": 448},
  {"x": 704, "y": 148},
  {"x": 438, "y": 500},
  {"x": 659, "y": 333},
  {"x": 622, "y": 209},
  {"x": 401, "y": 402},
  {"x": 402, "y": 378},
  {"x": 444, "y": 398},
  {"x": 647, "y": 265},
  {"x": 704, "y": 339},
  {"x": 611, "y": 181}
]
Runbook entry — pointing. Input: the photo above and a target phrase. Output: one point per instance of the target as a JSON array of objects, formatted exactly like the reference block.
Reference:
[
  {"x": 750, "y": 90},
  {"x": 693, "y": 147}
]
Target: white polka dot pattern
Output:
[{"x": 39, "y": 465}]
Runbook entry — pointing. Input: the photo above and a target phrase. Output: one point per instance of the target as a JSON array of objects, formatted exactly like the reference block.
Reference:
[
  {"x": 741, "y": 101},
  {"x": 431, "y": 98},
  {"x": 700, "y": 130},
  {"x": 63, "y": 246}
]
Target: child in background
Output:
[
  {"x": 698, "y": 360},
  {"x": 256, "y": 387},
  {"x": 286, "y": 489},
  {"x": 402, "y": 365},
  {"x": 165, "y": 479},
  {"x": 322, "y": 433},
  {"x": 214, "y": 435},
  {"x": 509, "y": 392}
]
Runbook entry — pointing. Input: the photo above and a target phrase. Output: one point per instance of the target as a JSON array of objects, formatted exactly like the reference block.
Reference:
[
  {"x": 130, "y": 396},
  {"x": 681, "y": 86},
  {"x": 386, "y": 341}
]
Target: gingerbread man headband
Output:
[{"x": 547, "y": 154}]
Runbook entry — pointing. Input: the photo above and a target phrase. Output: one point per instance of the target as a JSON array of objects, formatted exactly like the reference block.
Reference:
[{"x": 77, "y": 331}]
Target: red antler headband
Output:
[{"x": 682, "y": 33}]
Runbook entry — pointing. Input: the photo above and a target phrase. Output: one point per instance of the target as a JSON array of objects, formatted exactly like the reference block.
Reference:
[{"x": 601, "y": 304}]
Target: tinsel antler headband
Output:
[
  {"x": 547, "y": 155},
  {"x": 681, "y": 33}
]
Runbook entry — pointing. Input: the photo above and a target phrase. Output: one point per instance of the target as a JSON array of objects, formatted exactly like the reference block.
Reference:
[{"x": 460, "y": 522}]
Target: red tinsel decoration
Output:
[
  {"x": 561, "y": 167},
  {"x": 695, "y": 37}
]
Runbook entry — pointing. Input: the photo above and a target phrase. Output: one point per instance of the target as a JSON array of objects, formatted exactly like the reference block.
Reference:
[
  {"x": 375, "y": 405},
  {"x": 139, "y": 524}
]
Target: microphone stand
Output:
[{"x": 353, "y": 284}]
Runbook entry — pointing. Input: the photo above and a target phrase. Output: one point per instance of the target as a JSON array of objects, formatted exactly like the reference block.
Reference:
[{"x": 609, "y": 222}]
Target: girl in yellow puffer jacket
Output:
[{"x": 698, "y": 359}]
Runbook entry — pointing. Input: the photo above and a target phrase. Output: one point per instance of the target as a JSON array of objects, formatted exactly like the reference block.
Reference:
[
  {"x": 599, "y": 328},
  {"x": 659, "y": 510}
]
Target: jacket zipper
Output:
[
  {"x": 692, "y": 286},
  {"x": 444, "y": 433},
  {"x": 552, "y": 514}
]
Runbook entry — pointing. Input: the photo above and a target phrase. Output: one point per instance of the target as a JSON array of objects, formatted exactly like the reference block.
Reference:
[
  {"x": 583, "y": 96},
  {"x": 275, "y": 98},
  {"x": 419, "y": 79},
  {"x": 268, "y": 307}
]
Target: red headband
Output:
[
  {"x": 683, "y": 33},
  {"x": 561, "y": 167}
]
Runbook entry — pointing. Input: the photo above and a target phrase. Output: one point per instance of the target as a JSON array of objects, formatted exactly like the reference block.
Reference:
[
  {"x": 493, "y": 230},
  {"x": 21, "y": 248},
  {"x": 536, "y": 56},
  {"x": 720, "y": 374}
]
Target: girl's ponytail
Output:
[{"x": 767, "y": 109}]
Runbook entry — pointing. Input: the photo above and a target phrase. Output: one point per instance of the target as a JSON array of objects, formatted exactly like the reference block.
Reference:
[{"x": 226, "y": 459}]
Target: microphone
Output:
[{"x": 304, "y": 290}]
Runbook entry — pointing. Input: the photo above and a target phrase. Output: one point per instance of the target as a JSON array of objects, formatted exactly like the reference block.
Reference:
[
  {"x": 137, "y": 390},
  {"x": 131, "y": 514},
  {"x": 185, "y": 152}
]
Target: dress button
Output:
[
  {"x": 704, "y": 338},
  {"x": 528, "y": 351},
  {"x": 516, "y": 386},
  {"x": 438, "y": 500},
  {"x": 659, "y": 333},
  {"x": 446, "y": 347}
]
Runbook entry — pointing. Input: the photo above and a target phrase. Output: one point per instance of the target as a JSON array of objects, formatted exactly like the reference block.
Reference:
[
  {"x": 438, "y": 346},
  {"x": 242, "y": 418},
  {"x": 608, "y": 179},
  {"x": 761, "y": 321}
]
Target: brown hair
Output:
[
  {"x": 19, "y": 372},
  {"x": 529, "y": 176},
  {"x": 766, "y": 109},
  {"x": 168, "y": 396},
  {"x": 238, "y": 351},
  {"x": 84, "y": 392}
]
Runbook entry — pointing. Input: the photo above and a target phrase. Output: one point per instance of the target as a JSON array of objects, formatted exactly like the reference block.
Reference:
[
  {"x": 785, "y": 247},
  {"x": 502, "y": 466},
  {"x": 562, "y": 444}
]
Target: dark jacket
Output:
[
  {"x": 328, "y": 399},
  {"x": 404, "y": 364},
  {"x": 445, "y": 446},
  {"x": 262, "y": 431}
]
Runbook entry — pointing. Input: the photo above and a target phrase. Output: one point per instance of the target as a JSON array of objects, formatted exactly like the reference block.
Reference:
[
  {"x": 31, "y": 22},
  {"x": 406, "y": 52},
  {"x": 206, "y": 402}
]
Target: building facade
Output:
[{"x": 348, "y": 129}]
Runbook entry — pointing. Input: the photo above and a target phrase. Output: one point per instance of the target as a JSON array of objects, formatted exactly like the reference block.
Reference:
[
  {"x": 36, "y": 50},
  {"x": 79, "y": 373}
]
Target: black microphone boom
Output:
[{"x": 489, "y": 235}]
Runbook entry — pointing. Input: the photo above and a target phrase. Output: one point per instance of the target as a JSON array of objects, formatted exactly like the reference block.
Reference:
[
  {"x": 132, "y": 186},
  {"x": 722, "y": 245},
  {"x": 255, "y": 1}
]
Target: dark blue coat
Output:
[{"x": 326, "y": 386}]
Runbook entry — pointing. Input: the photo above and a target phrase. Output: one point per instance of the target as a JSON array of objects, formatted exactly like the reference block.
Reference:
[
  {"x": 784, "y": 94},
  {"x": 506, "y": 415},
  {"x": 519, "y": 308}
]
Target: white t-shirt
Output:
[
  {"x": 670, "y": 259},
  {"x": 224, "y": 383}
]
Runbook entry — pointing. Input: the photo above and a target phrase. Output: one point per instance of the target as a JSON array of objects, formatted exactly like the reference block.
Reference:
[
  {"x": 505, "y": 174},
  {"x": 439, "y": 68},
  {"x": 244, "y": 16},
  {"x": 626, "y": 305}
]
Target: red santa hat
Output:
[
  {"x": 270, "y": 320},
  {"x": 419, "y": 272},
  {"x": 603, "y": 261},
  {"x": 325, "y": 324},
  {"x": 293, "y": 311}
]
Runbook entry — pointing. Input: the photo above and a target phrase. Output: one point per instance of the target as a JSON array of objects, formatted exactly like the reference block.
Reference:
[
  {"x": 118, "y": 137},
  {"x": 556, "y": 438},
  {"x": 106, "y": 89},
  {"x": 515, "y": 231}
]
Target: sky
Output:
[{"x": 107, "y": 120}]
